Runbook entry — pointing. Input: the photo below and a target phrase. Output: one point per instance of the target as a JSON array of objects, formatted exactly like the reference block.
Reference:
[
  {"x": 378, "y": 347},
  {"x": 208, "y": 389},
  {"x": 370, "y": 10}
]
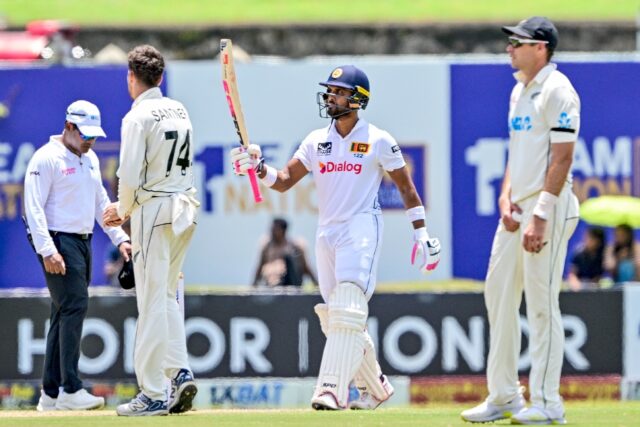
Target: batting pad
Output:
[
  {"x": 344, "y": 350},
  {"x": 368, "y": 377},
  {"x": 322, "y": 310}
]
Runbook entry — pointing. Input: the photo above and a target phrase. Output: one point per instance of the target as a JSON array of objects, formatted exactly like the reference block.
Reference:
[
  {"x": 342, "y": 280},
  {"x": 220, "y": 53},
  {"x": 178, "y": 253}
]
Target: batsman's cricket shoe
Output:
[
  {"x": 183, "y": 390},
  {"x": 46, "y": 403},
  {"x": 80, "y": 400},
  {"x": 487, "y": 411},
  {"x": 367, "y": 401},
  {"x": 141, "y": 406},
  {"x": 325, "y": 402},
  {"x": 536, "y": 416}
]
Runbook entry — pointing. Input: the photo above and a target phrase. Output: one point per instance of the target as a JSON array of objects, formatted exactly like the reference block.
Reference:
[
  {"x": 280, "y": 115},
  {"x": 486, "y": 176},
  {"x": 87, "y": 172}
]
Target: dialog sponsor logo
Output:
[{"x": 340, "y": 167}]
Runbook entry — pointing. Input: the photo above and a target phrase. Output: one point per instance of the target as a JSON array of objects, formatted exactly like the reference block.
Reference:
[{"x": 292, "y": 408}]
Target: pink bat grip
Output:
[{"x": 253, "y": 178}]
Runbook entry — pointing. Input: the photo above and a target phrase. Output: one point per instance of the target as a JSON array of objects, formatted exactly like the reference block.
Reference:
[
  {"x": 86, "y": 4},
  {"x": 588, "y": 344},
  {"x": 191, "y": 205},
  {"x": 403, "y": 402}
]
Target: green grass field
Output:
[
  {"x": 612, "y": 414},
  {"x": 453, "y": 285},
  {"x": 170, "y": 12}
]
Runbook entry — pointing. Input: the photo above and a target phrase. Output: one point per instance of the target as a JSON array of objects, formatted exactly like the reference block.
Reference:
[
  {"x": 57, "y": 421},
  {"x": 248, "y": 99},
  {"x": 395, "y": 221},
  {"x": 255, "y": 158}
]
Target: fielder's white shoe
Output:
[
  {"x": 141, "y": 406},
  {"x": 487, "y": 412},
  {"x": 183, "y": 390},
  {"x": 367, "y": 401},
  {"x": 535, "y": 416},
  {"x": 80, "y": 400},
  {"x": 325, "y": 402},
  {"x": 46, "y": 403}
]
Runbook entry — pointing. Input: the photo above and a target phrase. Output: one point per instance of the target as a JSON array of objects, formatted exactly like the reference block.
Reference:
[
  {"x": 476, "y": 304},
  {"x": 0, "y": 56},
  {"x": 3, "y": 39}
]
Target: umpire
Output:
[{"x": 63, "y": 196}]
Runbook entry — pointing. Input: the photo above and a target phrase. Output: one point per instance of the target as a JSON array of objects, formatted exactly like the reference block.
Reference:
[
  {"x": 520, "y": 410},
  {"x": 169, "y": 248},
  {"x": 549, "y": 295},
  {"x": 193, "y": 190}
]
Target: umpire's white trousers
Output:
[
  {"x": 512, "y": 269},
  {"x": 158, "y": 256}
]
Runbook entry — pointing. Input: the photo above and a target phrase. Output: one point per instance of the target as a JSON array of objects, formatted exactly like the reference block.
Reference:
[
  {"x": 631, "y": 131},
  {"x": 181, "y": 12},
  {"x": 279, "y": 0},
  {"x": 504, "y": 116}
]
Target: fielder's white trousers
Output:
[
  {"x": 348, "y": 252},
  {"x": 512, "y": 269},
  {"x": 158, "y": 256}
]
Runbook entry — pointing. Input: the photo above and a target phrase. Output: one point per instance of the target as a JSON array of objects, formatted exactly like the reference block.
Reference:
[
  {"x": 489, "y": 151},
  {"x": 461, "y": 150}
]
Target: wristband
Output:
[
  {"x": 415, "y": 214},
  {"x": 545, "y": 204},
  {"x": 271, "y": 177}
]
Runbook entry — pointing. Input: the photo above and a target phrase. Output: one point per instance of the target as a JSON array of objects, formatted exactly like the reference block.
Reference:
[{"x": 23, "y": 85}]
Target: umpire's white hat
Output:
[{"x": 86, "y": 116}]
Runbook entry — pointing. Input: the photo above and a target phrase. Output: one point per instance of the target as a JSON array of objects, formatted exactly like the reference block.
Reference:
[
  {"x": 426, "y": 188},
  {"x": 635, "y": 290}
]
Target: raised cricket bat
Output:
[{"x": 230, "y": 84}]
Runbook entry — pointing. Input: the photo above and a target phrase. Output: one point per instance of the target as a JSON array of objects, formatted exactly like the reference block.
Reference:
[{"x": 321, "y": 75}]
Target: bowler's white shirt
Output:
[
  {"x": 156, "y": 152},
  {"x": 64, "y": 192},
  {"x": 545, "y": 112},
  {"x": 348, "y": 171}
]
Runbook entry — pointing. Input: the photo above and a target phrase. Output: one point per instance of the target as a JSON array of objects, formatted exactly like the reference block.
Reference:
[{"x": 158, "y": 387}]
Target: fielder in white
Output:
[
  {"x": 538, "y": 214},
  {"x": 348, "y": 159},
  {"x": 156, "y": 190}
]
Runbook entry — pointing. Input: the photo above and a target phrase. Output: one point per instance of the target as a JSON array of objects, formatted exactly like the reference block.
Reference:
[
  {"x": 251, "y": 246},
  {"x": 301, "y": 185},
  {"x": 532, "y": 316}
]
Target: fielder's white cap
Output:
[{"x": 86, "y": 116}]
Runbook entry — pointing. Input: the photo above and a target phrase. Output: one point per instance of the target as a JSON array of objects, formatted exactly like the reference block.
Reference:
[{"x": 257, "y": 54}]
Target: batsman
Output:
[{"x": 348, "y": 159}]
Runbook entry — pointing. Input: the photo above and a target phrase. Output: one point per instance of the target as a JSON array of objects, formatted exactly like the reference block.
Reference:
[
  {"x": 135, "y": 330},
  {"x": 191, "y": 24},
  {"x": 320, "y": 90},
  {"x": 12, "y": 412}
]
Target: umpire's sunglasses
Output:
[
  {"x": 516, "y": 42},
  {"x": 83, "y": 136}
]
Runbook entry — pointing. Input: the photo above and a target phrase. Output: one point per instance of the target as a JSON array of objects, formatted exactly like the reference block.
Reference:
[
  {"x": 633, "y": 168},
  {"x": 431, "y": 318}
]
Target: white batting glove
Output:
[
  {"x": 244, "y": 159},
  {"x": 426, "y": 252}
]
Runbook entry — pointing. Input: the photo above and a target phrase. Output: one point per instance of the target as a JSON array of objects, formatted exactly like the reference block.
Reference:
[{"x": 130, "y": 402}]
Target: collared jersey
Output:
[
  {"x": 156, "y": 155},
  {"x": 348, "y": 171},
  {"x": 545, "y": 112},
  {"x": 64, "y": 192}
]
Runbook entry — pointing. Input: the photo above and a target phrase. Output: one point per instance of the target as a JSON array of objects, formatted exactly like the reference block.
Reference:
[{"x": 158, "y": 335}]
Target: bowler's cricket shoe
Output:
[
  {"x": 367, "y": 401},
  {"x": 537, "y": 416},
  {"x": 141, "y": 406},
  {"x": 80, "y": 400},
  {"x": 46, "y": 403},
  {"x": 487, "y": 412},
  {"x": 325, "y": 402},
  {"x": 183, "y": 390}
]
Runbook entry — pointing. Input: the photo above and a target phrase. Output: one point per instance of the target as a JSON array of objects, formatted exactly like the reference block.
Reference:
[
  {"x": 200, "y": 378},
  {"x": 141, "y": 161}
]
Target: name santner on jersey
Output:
[
  {"x": 162, "y": 165},
  {"x": 169, "y": 113}
]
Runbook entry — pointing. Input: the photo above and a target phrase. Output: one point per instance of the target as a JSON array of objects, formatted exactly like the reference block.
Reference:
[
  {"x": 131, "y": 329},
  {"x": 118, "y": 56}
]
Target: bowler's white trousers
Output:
[
  {"x": 512, "y": 269},
  {"x": 348, "y": 252},
  {"x": 158, "y": 256}
]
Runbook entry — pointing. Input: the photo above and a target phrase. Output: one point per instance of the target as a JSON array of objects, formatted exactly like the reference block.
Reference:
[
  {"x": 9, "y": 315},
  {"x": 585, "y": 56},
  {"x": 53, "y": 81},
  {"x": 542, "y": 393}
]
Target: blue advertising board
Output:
[
  {"x": 34, "y": 101},
  {"x": 606, "y": 159}
]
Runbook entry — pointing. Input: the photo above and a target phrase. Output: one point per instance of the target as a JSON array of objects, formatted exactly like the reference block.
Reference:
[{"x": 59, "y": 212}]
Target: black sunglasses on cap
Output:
[{"x": 516, "y": 42}]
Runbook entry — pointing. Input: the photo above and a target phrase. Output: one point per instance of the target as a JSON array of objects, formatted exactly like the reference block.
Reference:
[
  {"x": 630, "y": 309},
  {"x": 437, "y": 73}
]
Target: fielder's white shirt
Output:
[
  {"x": 348, "y": 171},
  {"x": 545, "y": 112},
  {"x": 156, "y": 153},
  {"x": 64, "y": 192}
]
